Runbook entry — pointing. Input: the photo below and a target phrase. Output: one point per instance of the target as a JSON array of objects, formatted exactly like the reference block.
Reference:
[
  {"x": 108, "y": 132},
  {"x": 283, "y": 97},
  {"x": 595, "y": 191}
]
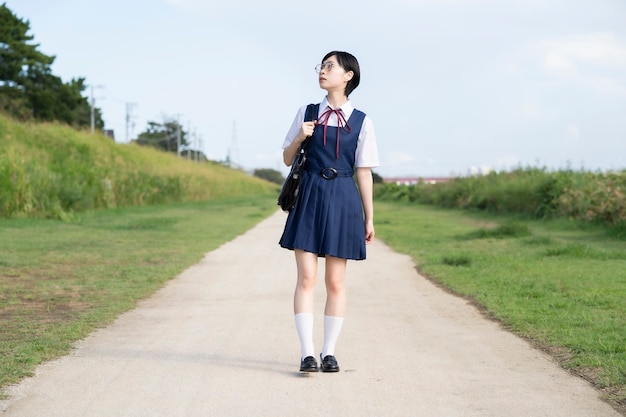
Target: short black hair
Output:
[{"x": 349, "y": 63}]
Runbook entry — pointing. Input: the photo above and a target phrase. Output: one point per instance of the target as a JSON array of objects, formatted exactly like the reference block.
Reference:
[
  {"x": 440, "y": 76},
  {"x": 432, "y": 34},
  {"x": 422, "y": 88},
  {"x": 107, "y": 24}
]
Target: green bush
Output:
[{"x": 532, "y": 192}]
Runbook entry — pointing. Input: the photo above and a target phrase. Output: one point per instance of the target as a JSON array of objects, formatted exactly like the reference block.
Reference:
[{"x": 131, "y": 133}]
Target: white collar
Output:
[{"x": 346, "y": 108}]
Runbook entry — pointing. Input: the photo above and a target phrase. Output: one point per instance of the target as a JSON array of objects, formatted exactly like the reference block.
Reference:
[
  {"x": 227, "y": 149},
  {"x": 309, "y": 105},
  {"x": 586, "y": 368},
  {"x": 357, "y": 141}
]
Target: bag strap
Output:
[{"x": 309, "y": 116}]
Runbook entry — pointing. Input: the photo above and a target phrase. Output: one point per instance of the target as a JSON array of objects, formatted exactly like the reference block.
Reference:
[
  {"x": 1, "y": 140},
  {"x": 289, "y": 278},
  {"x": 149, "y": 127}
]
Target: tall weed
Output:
[
  {"x": 51, "y": 170},
  {"x": 533, "y": 192}
]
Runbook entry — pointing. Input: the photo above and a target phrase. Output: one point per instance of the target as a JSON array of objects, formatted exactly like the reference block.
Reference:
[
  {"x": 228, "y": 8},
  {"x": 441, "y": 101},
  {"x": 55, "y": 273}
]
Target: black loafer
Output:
[
  {"x": 329, "y": 364},
  {"x": 308, "y": 364}
]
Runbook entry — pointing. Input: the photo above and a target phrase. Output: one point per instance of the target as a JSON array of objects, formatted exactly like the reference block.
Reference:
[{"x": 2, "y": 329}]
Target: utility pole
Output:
[
  {"x": 189, "y": 141},
  {"x": 199, "y": 145},
  {"x": 129, "y": 109},
  {"x": 177, "y": 138},
  {"x": 93, "y": 116},
  {"x": 93, "y": 108},
  {"x": 188, "y": 136},
  {"x": 195, "y": 141}
]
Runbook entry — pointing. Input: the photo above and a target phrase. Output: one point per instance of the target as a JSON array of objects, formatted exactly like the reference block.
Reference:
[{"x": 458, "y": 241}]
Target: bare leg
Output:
[
  {"x": 303, "y": 302},
  {"x": 307, "y": 277},
  {"x": 335, "y": 287},
  {"x": 335, "y": 305}
]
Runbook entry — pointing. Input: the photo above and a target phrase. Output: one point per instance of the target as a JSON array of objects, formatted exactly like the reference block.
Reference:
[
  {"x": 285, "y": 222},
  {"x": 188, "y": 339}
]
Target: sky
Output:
[{"x": 453, "y": 87}]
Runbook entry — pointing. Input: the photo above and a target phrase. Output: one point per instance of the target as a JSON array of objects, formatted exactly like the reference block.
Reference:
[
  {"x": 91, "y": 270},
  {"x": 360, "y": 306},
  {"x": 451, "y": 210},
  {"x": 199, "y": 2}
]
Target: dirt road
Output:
[{"x": 219, "y": 340}]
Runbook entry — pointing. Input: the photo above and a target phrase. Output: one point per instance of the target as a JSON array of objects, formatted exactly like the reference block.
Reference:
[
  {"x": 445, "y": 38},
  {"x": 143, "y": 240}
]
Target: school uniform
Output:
[{"x": 328, "y": 216}]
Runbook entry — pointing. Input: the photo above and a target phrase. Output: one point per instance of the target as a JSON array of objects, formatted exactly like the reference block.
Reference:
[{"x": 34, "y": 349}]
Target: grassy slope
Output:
[{"x": 51, "y": 170}]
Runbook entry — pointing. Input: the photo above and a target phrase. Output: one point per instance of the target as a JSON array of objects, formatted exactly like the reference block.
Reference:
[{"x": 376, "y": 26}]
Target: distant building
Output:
[
  {"x": 483, "y": 170},
  {"x": 415, "y": 180},
  {"x": 109, "y": 133}
]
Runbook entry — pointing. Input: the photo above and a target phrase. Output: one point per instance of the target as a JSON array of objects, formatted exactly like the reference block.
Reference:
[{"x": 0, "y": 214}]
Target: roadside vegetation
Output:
[
  {"x": 547, "y": 258},
  {"x": 592, "y": 197},
  {"x": 52, "y": 170}
]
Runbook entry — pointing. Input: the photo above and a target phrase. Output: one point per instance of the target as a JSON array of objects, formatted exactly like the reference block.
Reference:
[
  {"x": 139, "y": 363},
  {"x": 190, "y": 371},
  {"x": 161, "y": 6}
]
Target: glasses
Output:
[{"x": 326, "y": 67}]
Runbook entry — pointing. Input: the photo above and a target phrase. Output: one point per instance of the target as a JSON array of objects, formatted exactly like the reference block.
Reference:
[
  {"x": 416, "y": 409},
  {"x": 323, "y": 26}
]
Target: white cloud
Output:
[{"x": 558, "y": 62}]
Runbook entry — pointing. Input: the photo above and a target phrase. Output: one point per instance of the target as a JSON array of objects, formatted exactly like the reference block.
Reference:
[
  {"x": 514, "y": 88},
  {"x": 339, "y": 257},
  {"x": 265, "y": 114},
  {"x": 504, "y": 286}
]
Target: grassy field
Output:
[
  {"x": 558, "y": 283},
  {"x": 59, "y": 281}
]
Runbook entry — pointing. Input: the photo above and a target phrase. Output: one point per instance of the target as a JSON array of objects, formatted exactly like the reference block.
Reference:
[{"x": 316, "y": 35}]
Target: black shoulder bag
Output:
[{"x": 289, "y": 193}]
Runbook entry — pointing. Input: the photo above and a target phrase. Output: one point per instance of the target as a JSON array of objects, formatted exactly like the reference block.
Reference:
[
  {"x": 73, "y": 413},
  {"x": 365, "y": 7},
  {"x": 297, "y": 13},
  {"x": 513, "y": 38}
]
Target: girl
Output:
[{"x": 332, "y": 218}]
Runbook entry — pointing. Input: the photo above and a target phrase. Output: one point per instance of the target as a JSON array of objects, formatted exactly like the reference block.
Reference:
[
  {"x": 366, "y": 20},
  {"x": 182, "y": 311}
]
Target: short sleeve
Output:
[
  {"x": 366, "y": 149},
  {"x": 295, "y": 127}
]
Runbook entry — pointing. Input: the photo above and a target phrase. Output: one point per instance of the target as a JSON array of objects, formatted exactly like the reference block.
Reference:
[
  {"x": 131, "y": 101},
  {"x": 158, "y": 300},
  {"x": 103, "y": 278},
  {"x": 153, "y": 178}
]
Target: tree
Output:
[
  {"x": 163, "y": 136},
  {"x": 271, "y": 175},
  {"x": 28, "y": 89},
  {"x": 15, "y": 51}
]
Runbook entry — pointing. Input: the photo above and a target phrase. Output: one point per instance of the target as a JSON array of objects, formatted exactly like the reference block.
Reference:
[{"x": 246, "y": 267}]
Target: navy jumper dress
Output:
[{"x": 328, "y": 216}]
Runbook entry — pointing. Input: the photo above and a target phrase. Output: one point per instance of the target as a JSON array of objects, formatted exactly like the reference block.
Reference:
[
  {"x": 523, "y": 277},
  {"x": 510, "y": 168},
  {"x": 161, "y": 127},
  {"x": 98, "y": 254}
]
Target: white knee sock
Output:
[
  {"x": 304, "y": 326},
  {"x": 332, "y": 328}
]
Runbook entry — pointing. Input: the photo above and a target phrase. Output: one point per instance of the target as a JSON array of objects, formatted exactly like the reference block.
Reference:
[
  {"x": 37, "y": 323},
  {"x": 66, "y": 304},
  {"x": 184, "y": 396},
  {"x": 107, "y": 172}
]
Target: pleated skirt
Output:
[{"x": 327, "y": 219}]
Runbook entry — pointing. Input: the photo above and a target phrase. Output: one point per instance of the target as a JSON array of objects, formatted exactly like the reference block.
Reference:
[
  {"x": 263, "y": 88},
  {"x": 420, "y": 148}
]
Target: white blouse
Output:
[{"x": 366, "y": 149}]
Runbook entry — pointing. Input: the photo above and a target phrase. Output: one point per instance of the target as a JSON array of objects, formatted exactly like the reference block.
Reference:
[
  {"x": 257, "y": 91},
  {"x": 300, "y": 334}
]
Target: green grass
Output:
[
  {"x": 558, "y": 283},
  {"x": 59, "y": 281},
  {"x": 51, "y": 170}
]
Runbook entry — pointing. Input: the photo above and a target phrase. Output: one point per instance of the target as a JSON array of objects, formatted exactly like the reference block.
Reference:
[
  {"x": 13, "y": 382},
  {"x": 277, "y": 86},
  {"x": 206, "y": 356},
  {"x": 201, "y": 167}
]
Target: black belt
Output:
[{"x": 330, "y": 173}]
